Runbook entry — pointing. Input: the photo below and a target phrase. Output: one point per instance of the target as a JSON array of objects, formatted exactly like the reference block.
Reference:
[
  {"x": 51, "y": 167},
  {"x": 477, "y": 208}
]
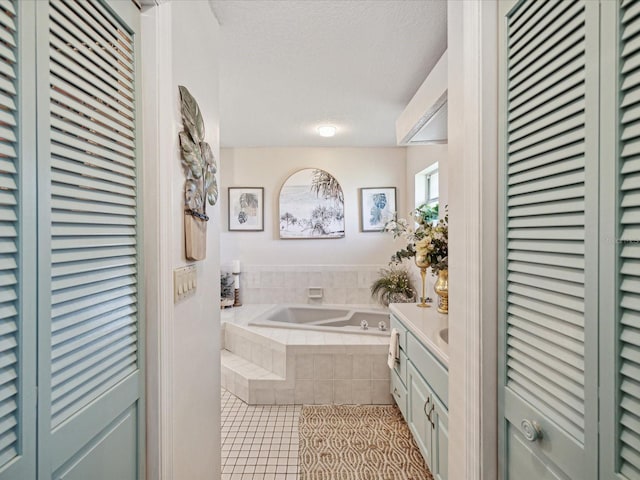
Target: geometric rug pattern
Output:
[{"x": 357, "y": 442}]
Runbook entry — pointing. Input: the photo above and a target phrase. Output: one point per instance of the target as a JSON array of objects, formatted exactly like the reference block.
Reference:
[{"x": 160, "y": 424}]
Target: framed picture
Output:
[
  {"x": 246, "y": 209},
  {"x": 311, "y": 206},
  {"x": 377, "y": 207}
]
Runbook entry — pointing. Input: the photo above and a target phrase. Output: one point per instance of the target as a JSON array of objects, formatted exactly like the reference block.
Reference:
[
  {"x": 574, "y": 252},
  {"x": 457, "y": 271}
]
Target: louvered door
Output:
[
  {"x": 17, "y": 234},
  {"x": 90, "y": 382},
  {"x": 620, "y": 288},
  {"x": 628, "y": 202},
  {"x": 549, "y": 310}
]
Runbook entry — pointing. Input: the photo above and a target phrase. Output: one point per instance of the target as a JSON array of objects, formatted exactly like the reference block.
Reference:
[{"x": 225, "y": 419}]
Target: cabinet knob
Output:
[
  {"x": 396, "y": 392},
  {"x": 531, "y": 430}
]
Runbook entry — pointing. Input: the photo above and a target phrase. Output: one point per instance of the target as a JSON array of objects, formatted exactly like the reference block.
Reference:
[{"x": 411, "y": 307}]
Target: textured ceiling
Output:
[{"x": 289, "y": 65}]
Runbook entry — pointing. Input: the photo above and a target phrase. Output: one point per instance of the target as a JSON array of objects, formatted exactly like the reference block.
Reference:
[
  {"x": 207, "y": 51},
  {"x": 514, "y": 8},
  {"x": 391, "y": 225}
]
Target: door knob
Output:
[{"x": 531, "y": 430}]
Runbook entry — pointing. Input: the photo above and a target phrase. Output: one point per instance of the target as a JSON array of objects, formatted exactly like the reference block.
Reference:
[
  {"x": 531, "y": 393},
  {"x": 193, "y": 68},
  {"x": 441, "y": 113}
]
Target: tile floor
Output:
[{"x": 259, "y": 442}]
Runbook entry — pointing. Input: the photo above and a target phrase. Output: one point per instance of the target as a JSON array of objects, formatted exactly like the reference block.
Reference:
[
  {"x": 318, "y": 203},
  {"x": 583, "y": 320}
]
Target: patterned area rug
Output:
[{"x": 357, "y": 442}]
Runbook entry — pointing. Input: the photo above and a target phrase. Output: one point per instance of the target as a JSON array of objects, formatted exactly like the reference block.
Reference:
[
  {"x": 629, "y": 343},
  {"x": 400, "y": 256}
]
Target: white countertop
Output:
[{"x": 425, "y": 324}]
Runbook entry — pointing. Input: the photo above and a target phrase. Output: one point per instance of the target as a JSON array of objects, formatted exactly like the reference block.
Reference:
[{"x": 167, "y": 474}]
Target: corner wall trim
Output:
[{"x": 157, "y": 84}]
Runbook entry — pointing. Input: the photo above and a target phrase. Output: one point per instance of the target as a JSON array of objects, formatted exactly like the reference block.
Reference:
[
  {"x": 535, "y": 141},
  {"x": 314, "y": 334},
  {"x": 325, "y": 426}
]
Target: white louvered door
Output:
[
  {"x": 90, "y": 383},
  {"x": 549, "y": 309},
  {"x": 17, "y": 235}
]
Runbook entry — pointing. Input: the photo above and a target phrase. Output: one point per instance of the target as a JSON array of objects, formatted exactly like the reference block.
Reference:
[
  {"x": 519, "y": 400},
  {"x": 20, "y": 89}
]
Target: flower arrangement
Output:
[
  {"x": 428, "y": 241},
  {"x": 393, "y": 286}
]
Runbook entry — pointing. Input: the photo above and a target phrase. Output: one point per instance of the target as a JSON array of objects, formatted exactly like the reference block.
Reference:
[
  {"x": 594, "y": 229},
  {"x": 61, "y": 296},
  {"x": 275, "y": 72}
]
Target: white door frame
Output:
[
  {"x": 473, "y": 86},
  {"x": 473, "y": 161},
  {"x": 157, "y": 85}
]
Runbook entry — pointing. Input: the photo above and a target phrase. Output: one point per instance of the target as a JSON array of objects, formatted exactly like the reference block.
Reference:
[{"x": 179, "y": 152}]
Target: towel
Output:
[{"x": 394, "y": 349}]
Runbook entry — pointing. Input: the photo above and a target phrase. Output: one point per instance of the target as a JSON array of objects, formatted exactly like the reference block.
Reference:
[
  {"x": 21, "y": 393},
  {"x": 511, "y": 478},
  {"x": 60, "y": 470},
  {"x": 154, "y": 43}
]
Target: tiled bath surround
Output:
[
  {"x": 357, "y": 377},
  {"x": 289, "y": 284},
  {"x": 281, "y": 366}
]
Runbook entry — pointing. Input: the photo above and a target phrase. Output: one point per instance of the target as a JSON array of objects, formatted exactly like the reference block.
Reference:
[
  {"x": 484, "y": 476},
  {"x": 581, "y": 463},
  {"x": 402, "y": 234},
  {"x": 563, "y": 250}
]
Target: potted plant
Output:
[
  {"x": 428, "y": 244},
  {"x": 393, "y": 286},
  {"x": 427, "y": 240}
]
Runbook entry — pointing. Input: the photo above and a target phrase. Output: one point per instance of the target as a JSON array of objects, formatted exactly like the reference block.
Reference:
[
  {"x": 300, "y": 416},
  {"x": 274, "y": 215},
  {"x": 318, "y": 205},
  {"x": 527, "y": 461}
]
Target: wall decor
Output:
[
  {"x": 377, "y": 207},
  {"x": 246, "y": 209},
  {"x": 311, "y": 206},
  {"x": 200, "y": 169}
]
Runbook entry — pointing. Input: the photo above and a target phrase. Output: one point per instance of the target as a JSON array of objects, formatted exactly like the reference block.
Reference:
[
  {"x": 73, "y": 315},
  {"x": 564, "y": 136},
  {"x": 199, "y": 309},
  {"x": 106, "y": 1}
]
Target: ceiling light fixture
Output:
[{"x": 326, "y": 130}]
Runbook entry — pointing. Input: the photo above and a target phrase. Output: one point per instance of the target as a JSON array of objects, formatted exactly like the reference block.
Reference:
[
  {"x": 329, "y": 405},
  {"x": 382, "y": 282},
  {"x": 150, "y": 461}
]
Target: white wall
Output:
[
  {"x": 269, "y": 168},
  {"x": 180, "y": 47}
]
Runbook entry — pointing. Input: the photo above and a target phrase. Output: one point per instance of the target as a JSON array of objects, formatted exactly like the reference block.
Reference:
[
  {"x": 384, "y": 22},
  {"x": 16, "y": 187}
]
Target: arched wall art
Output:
[{"x": 311, "y": 206}]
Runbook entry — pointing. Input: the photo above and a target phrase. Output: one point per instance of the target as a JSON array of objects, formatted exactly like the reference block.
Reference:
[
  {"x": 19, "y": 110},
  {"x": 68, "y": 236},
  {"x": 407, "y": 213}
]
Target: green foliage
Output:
[
  {"x": 428, "y": 240},
  {"x": 433, "y": 247},
  {"x": 393, "y": 286},
  {"x": 428, "y": 214}
]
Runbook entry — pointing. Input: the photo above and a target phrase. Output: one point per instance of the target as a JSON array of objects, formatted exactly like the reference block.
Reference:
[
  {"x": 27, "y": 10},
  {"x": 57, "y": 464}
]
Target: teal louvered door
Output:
[
  {"x": 90, "y": 379},
  {"x": 620, "y": 317},
  {"x": 628, "y": 313},
  {"x": 548, "y": 307},
  {"x": 17, "y": 234},
  {"x": 628, "y": 202}
]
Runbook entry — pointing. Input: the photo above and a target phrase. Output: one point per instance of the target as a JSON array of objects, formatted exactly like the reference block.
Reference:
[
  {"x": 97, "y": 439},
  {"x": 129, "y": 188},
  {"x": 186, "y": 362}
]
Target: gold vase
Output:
[
  {"x": 441, "y": 288},
  {"x": 422, "y": 265}
]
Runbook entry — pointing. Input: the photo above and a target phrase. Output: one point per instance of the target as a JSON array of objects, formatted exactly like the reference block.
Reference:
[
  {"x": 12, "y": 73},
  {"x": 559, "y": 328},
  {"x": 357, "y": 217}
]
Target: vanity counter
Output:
[{"x": 425, "y": 324}]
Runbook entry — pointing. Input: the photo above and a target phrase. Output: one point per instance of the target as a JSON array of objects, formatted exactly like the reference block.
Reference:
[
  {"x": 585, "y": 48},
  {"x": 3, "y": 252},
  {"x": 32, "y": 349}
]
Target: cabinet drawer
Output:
[
  {"x": 395, "y": 323},
  {"x": 399, "y": 393},
  {"x": 401, "y": 368},
  {"x": 430, "y": 368}
]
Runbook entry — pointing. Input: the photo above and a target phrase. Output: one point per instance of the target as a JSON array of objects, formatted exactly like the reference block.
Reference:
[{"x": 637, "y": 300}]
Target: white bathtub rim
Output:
[{"x": 260, "y": 319}]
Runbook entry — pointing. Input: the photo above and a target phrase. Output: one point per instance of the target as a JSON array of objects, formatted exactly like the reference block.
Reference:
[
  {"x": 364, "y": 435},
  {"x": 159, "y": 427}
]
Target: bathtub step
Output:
[
  {"x": 255, "y": 348},
  {"x": 248, "y": 381},
  {"x": 246, "y": 368}
]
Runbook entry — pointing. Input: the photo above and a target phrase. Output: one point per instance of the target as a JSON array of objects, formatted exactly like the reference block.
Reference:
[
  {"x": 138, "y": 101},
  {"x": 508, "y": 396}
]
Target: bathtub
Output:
[{"x": 343, "y": 318}]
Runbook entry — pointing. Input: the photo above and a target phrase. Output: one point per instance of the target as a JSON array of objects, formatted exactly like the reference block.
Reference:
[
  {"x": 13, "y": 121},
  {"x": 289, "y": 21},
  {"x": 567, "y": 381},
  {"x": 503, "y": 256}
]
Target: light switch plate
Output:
[{"x": 184, "y": 282}]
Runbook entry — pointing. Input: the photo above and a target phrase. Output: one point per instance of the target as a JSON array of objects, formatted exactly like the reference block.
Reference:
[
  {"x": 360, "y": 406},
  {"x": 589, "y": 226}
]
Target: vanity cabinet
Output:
[{"x": 419, "y": 385}]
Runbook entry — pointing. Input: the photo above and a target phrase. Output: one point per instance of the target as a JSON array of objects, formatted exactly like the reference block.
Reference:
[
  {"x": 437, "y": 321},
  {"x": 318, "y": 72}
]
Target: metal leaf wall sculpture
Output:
[{"x": 197, "y": 159}]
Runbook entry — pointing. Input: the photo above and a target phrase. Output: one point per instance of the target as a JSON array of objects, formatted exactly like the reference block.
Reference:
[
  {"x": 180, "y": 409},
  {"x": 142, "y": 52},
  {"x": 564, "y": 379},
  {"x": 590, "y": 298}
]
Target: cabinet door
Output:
[
  {"x": 548, "y": 297},
  {"x": 440, "y": 450},
  {"x": 399, "y": 393},
  {"x": 419, "y": 403}
]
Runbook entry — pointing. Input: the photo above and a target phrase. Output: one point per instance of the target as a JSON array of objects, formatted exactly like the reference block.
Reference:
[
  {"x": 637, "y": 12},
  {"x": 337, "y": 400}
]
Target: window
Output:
[
  {"x": 431, "y": 188},
  {"x": 427, "y": 192}
]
